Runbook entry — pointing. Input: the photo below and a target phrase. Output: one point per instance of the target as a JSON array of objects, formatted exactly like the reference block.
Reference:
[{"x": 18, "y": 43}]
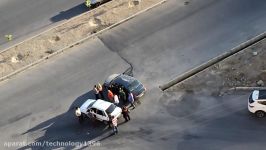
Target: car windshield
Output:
[
  {"x": 133, "y": 85},
  {"x": 110, "y": 109},
  {"x": 250, "y": 99}
]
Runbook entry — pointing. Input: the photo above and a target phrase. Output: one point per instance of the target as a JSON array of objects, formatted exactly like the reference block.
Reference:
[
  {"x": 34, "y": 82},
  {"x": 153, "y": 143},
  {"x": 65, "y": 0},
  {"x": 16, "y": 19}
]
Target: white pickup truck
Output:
[{"x": 100, "y": 110}]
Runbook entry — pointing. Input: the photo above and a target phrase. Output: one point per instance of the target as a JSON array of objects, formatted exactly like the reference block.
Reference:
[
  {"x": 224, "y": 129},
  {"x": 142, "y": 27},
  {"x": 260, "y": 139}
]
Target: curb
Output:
[
  {"x": 246, "y": 88},
  {"x": 212, "y": 61},
  {"x": 73, "y": 44},
  {"x": 234, "y": 89},
  {"x": 27, "y": 39}
]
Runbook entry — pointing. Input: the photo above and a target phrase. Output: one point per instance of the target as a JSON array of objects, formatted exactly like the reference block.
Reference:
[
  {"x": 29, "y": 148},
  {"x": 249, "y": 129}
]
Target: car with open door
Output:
[{"x": 100, "y": 110}]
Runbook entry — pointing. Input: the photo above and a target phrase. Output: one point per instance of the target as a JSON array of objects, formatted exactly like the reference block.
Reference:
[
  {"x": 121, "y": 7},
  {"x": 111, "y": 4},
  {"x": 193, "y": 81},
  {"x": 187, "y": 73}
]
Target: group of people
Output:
[{"x": 115, "y": 93}]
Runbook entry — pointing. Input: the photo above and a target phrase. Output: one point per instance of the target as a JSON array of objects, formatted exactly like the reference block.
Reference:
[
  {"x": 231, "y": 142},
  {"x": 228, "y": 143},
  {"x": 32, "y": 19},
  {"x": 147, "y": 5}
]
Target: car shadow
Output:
[
  {"x": 76, "y": 10},
  {"x": 64, "y": 131},
  {"x": 72, "y": 12}
]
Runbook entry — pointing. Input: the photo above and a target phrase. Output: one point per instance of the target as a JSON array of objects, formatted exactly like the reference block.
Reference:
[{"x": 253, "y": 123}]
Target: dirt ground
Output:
[
  {"x": 70, "y": 32},
  {"x": 244, "y": 69}
]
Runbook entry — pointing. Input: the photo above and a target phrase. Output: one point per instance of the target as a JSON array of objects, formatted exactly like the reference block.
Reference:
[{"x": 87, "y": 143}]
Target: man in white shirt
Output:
[
  {"x": 78, "y": 114},
  {"x": 116, "y": 100}
]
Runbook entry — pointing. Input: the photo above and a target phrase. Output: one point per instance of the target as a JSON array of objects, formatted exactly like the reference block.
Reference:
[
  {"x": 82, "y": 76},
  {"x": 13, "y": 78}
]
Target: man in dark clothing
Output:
[
  {"x": 122, "y": 95},
  {"x": 115, "y": 88},
  {"x": 125, "y": 113},
  {"x": 126, "y": 91},
  {"x": 110, "y": 120}
]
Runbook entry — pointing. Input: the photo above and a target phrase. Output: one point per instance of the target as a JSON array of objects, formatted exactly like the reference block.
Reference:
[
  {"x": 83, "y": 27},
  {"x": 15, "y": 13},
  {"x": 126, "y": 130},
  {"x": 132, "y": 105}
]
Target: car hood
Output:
[{"x": 138, "y": 90}]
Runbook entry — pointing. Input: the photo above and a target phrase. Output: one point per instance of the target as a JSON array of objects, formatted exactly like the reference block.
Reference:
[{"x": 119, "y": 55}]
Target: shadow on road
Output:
[
  {"x": 65, "y": 128},
  {"x": 75, "y": 11}
]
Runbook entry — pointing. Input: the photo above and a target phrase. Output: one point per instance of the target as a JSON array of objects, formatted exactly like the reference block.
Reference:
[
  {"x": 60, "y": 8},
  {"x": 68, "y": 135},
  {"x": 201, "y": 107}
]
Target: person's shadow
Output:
[{"x": 66, "y": 128}]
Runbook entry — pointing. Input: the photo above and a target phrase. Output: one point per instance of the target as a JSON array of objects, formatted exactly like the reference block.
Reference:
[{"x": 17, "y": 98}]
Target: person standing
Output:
[
  {"x": 125, "y": 90},
  {"x": 110, "y": 120},
  {"x": 78, "y": 114},
  {"x": 115, "y": 88},
  {"x": 96, "y": 92},
  {"x": 125, "y": 113},
  {"x": 110, "y": 95},
  {"x": 111, "y": 87},
  {"x": 100, "y": 89},
  {"x": 122, "y": 95},
  {"x": 131, "y": 100},
  {"x": 114, "y": 124},
  {"x": 116, "y": 100}
]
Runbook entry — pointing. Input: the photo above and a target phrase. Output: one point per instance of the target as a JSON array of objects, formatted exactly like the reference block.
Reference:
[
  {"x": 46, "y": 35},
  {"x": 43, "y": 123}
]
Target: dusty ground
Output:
[
  {"x": 68, "y": 33},
  {"x": 244, "y": 69}
]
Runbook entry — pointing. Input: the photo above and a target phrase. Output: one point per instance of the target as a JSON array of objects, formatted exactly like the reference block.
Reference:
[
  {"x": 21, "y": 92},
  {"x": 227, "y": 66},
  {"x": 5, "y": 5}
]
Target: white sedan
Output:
[{"x": 100, "y": 110}]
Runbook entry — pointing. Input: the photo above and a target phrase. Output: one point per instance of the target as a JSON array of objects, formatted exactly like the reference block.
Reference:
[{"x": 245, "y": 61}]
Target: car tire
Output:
[{"x": 260, "y": 114}]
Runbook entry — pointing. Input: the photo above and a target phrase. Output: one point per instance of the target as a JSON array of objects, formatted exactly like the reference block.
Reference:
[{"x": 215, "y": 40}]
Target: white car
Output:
[
  {"x": 257, "y": 103},
  {"x": 100, "y": 110}
]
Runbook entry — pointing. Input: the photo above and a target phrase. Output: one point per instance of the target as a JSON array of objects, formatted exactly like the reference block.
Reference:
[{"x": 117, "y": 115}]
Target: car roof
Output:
[
  {"x": 101, "y": 104},
  {"x": 125, "y": 80}
]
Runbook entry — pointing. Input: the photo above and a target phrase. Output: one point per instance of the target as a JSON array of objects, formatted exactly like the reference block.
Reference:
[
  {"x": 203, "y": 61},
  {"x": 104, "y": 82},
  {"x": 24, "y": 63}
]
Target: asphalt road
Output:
[
  {"x": 37, "y": 105},
  {"x": 25, "y": 18}
]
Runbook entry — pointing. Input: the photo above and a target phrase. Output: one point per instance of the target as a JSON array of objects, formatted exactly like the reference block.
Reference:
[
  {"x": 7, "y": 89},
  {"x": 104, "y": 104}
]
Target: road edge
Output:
[
  {"x": 75, "y": 43},
  {"x": 212, "y": 61},
  {"x": 49, "y": 29}
]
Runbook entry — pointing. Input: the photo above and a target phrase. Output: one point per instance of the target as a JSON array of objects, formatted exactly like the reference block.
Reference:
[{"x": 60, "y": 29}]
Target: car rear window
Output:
[
  {"x": 262, "y": 94},
  {"x": 110, "y": 109}
]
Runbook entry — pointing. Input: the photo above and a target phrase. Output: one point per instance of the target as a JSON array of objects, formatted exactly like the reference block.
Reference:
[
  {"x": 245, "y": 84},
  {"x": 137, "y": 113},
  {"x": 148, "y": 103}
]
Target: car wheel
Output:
[
  {"x": 105, "y": 122},
  {"x": 260, "y": 114}
]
